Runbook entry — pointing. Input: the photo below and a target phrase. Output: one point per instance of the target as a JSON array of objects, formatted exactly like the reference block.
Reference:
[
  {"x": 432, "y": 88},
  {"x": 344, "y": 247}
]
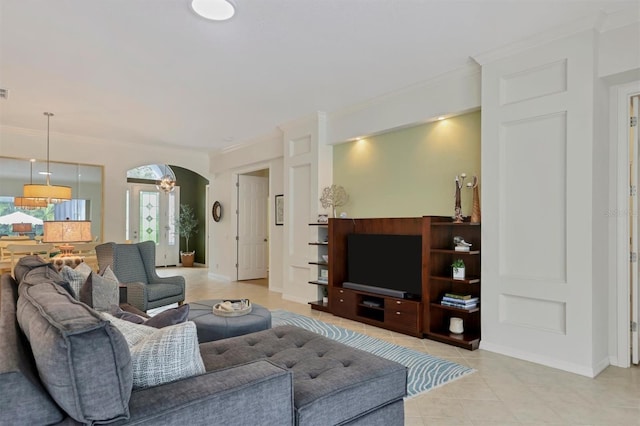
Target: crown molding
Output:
[
  {"x": 306, "y": 122},
  {"x": 470, "y": 68},
  {"x": 620, "y": 18},
  {"x": 23, "y": 131},
  {"x": 602, "y": 21},
  {"x": 255, "y": 142}
]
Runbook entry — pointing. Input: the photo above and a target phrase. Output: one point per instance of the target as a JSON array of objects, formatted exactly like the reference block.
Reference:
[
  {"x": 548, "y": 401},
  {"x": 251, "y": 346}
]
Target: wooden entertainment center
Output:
[{"x": 426, "y": 317}]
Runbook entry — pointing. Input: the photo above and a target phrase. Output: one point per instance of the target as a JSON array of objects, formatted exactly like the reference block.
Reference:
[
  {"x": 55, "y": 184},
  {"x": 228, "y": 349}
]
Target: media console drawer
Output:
[
  {"x": 343, "y": 303},
  {"x": 404, "y": 306}
]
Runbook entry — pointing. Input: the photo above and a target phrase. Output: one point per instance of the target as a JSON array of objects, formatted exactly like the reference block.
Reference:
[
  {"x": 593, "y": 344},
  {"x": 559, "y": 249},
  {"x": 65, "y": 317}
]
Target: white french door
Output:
[
  {"x": 634, "y": 224},
  {"x": 152, "y": 217},
  {"x": 252, "y": 227}
]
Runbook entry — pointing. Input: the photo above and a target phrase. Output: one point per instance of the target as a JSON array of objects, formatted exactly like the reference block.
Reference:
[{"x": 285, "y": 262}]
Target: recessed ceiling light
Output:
[
  {"x": 440, "y": 118},
  {"x": 216, "y": 10}
]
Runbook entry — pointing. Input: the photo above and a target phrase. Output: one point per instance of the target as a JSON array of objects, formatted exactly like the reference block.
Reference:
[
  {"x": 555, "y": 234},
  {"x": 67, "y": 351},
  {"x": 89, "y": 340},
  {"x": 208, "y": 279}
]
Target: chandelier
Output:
[
  {"x": 167, "y": 182},
  {"x": 47, "y": 192}
]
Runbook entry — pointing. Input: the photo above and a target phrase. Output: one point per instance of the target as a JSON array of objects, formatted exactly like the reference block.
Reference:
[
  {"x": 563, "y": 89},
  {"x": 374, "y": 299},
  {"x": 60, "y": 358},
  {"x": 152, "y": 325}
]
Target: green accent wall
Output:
[
  {"x": 193, "y": 192},
  {"x": 410, "y": 172}
]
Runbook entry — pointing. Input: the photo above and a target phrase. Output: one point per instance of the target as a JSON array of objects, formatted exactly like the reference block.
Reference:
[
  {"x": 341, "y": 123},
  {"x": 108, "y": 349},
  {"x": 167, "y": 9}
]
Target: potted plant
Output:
[
  {"x": 325, "y": 294},
  {"x": 458, "y": 269},
  {"x": 187, "y": 226}
]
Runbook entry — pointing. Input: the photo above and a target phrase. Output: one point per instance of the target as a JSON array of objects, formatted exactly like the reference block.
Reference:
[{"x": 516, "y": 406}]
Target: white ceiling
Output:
[{"x": 151, "y": 71}]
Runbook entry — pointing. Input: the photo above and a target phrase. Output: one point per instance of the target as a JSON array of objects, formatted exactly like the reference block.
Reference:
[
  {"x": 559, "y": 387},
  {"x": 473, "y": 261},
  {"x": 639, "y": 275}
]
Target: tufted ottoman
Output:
[
  {"x": 213, "y": 327},
  {"x": 332, "y": 383}
]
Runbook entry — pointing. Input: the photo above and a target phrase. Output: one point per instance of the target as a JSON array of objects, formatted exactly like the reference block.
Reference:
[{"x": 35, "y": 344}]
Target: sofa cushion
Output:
[
  {"x": 161, "y": 355},
  {"x": 83, "y": 361},
  {"x": 23, "y": 401},
  {"x": 326, "y": 373},
  {"x": 30, "y": 262}
]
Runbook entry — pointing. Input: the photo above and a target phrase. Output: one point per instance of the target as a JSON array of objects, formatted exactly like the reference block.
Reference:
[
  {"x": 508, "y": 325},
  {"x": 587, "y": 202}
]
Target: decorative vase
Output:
[
  {"x": 325, "y": 300},
  {"x": 475, "y": 211},
  {"x": 187, "y": 258},
  {"x": 456, "y": 326},
  {"x": 458, "y": 273}
]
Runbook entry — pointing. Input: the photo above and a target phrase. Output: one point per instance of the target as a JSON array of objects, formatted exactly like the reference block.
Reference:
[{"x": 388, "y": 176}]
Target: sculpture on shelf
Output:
[
  {"x": 475, "y": 210},
  {"x": 458, "y": 217},
  {"x": 460, "y": 244},
  {"x": 334, "y": 196}
]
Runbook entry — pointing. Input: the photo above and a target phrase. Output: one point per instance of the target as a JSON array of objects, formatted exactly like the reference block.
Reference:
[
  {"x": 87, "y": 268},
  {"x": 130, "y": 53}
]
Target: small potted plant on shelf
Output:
[
  {"x": 458, "y": 269},
  {"x": 187, "y": 226}
]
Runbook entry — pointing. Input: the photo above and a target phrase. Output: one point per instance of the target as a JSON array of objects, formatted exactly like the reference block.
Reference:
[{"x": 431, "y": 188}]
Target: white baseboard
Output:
[
  {"x": 276, "y": 289},
  {"x": 549, "y": 362},
  {"x": 294, "y": 299}
]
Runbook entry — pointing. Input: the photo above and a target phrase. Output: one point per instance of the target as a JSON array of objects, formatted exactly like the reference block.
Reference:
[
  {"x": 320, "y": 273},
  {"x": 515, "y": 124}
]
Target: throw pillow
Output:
[
  {"x": 133, "y": 333},
  {"x": 100, "y": 292},
  {"x": 163, "y": 319},
  {"x": 161, "y": 355},
  {"x": 76, "y": 277}
]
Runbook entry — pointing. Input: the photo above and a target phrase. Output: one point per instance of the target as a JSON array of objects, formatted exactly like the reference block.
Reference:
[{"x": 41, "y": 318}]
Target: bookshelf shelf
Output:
[
  {"x": 470, "y": 280},
  {"x": 319, "y": 243},
  {"x": 453, "y": 309}
]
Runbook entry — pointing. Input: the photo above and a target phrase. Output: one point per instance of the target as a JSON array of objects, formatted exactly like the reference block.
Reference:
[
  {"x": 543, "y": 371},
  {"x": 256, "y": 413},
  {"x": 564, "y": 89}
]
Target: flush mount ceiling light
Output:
[{"x": 216, "y": 10}]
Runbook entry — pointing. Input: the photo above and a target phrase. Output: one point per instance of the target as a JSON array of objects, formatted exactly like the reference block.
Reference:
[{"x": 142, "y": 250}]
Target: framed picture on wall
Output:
[{"x": 279, "y": 211}]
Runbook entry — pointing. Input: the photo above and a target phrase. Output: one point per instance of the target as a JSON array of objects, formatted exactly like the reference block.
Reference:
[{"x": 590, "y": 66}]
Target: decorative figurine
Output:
[
  {"x": 475, "y": 210},
  {"x": 461, "y": 244},
  {"x": 457, "y": 217},
  {"x": 334, "y": 196}
]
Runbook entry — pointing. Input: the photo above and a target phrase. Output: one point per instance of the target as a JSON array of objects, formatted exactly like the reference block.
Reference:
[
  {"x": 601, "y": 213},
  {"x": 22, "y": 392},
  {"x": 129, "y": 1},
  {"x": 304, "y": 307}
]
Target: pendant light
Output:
[
  {"x": 167, "y": 182},
  {"x": 29, "y": 203},
  {"x": 49, "y": 193}
]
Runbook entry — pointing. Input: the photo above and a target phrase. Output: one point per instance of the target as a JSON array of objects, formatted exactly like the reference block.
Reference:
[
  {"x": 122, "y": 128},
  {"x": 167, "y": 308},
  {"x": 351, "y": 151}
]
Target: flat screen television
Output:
[{"x": 386, "y": 262}]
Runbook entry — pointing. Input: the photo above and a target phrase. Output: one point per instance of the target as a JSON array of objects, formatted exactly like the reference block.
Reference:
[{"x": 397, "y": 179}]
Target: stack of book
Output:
[{"x": 461, "y": 301}]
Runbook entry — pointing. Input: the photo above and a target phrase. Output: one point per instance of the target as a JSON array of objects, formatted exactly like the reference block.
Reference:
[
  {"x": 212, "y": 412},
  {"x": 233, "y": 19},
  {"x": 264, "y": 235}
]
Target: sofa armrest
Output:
[{"x": 255, "y": 393}]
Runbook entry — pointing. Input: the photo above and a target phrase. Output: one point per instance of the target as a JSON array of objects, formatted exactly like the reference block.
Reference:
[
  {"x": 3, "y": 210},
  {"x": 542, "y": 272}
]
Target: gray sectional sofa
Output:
[{"x": 62, "y": 363}]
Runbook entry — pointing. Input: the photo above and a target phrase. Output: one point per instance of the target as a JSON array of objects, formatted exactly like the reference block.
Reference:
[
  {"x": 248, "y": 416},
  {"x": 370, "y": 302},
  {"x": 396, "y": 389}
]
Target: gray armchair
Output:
[{"x": 135, "y": 266}]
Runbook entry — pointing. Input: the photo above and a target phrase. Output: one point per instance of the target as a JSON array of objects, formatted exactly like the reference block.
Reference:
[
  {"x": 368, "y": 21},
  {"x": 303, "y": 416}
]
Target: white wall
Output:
[
  {"x": 262, "y": 153},
  {"x": 116, "y": 156}
]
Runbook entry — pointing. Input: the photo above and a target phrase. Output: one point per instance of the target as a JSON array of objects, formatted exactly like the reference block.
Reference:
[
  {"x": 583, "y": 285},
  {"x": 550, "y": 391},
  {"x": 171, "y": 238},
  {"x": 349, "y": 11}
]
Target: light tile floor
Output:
[{"x": 503, "y": 391}]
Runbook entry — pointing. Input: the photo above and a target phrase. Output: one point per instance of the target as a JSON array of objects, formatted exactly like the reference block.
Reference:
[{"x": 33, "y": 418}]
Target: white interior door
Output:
[
  {"x": 634, "y": 155},
  {"x": 252, "y": 227},
  {"x": 152, "y": 217}
]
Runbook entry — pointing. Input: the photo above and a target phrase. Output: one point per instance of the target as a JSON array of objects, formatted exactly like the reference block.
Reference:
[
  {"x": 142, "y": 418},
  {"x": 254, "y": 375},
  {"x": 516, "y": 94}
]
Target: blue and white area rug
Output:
[{"x": 425, "y": 372}]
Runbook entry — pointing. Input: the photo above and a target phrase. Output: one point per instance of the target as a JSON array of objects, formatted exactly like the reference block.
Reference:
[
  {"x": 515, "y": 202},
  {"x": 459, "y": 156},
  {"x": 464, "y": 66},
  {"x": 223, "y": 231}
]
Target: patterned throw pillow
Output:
[
  {"x": 133, "y": 333},
  {"x": 100, "y": 292},
  {"x": 161, "y": 355},
  {"x": 76, "y": 277}
]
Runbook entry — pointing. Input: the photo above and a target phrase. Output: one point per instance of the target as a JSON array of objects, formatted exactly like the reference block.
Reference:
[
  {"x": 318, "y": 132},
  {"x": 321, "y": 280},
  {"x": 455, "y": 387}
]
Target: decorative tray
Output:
[{"x": 232, "y": 308}]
